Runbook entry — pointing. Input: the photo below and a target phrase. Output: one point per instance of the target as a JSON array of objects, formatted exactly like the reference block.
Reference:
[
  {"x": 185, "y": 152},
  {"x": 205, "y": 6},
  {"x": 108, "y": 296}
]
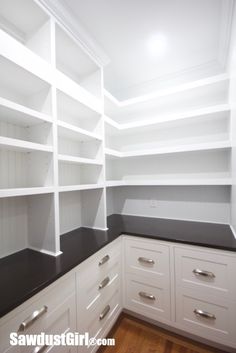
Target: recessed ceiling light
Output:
[{"x": 157, "y": 44}]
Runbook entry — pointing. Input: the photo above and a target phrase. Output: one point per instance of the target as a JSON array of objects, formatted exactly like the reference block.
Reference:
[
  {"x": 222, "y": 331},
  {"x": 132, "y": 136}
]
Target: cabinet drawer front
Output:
[
  {"x": 51, "y": 299},
  {"x": 214, "y": 321},
  {"x": 147, "y": 258},
  {"x": 98, "y": 266},
  {"x": 102, "y": 315},
  {"x": 147, "y": 298},
  {"x": 93, "y": 294},
  {"x": 211, "y": 272}
]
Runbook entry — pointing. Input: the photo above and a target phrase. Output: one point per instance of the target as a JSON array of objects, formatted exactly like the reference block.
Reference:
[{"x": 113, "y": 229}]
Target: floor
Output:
[{"x": 135, "y": 336}]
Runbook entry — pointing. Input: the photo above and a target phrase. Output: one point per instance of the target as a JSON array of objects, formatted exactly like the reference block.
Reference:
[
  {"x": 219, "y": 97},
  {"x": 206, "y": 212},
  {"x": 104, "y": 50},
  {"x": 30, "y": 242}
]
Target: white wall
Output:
[
  {"x": 200, "y": 203},
  {"x": 232, "y": 97}
]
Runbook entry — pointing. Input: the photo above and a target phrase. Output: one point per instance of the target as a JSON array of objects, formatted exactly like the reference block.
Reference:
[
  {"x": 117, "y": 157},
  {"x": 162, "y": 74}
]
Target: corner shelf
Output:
[
  {"x": 171, "y": 182},
  {"x": 214, "y": 112},
  {"x": 168, "y": 150}
]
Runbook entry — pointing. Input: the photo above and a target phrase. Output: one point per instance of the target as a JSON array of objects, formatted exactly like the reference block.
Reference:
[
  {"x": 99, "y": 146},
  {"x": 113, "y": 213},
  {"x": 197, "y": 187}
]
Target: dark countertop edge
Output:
[
  {"x": 74, "y": 264},
  {"x": 181, "y": 241}
]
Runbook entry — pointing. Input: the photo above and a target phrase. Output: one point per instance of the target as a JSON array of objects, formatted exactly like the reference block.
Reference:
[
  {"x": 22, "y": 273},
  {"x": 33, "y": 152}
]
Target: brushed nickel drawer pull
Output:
[
  {"x": 104, "y": 260},
  {"x": 40, "y": 349},
  {"x": 104, "y": 283},
  {"x": 146, "y": 261},
  {"x": 204, "y": 314},
  {"x": 147, "y": 296},
  {"x": 32, "y": 318},
  {"x": 104, "y": 312},
  {"x": 203, "y": 273}
]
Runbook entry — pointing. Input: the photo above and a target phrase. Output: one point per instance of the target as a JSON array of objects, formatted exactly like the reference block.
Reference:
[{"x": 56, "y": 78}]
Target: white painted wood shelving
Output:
[
  {"x": 51, "y": 131},
  {"x": 56, "y": 143},
  {"x": 175, "y": 137}
]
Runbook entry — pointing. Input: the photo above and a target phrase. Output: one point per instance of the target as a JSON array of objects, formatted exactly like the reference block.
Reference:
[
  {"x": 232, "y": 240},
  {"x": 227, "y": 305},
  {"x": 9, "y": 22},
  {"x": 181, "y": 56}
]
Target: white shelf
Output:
[
  {"x": 18, "y": 114},
  {"x": 171, "y": 182},
  {"x": 167, "y": 150},
  {"x": 170, "y": 103},
  {"x": 167, "y": 91},
  {"x": 78, "y": 160},
  {"x": 26, "y": 191},
  {"x": 113, "y": 153},
  {"x": 80, "y": 187},
  {"x": 23, "y": 146},
  {"x": 214, "y": 111},
  {"x": 75, "y": 133},
  {"x": 78, "y": 93},
  {"x": 25, "y": 58}
]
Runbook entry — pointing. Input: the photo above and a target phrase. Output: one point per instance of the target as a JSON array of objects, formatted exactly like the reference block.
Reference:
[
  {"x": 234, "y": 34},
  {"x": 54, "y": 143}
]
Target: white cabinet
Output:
[
  {"x": 51, "y": 311},
  {"x": 98, "y": 281},
  {"x": 205, "y": 293},
  {"x": 188, "y": 288},
  {"x": 147, "y": 278}
]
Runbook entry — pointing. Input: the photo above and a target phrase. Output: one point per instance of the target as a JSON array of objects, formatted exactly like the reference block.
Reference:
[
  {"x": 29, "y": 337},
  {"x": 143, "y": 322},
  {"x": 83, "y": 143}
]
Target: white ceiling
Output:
[{"x": 197, "y": 34}]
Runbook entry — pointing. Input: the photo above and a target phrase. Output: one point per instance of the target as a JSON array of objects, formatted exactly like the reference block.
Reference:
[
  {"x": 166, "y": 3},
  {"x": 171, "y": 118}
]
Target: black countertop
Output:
[{"x": 25, "y": 273}]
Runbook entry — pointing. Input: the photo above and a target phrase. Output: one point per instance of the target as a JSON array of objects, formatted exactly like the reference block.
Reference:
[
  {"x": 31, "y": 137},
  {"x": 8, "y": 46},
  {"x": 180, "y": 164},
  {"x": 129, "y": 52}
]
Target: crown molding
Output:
[{"x": 64, "y": 17}]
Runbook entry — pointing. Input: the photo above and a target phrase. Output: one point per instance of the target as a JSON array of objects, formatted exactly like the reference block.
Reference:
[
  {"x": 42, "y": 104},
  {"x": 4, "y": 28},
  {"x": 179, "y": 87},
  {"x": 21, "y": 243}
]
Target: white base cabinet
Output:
[
  {"x": 55, "y": 308},
  {"x": 186, "y": 287},
  {"x": 98, "y": 282}
]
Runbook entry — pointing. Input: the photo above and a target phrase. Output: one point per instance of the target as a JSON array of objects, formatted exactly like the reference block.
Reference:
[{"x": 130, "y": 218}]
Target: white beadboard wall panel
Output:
[
  {"x": 70, "y": 211},
  {"x": 41, "y": 225},
  {"x": 232, "y": 98},
  {"x": 93, "y": 209},
  {"x": 13, "y": 225},
  {"x": 111, "y": 209},
  {"x": 72, "y": 174},
  {"x": 13, "y": 169},
  {"x": 40, "y": 133},
  {"x": 88, "y": 149},
  {"x": 200, "y": 203}
]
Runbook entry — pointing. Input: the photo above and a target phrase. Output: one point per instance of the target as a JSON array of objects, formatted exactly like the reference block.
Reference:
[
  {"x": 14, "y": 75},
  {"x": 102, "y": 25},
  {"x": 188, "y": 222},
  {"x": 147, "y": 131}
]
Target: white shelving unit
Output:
[
  {"x": 59, "y": 152},
  {"x": 51, "y": 132},
  {"x": 178, "y": 137}
]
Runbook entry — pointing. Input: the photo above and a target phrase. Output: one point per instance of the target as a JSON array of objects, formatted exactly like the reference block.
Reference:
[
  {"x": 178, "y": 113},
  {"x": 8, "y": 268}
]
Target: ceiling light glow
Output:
[{"x": 157, "y": 44}]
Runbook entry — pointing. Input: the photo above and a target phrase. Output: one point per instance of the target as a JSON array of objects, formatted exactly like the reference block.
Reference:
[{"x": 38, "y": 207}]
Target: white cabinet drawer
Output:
[
  {"x": 102, "y": 314},
  {"x": 97, "y": 267},
  {"x": 211, "y": 272},
  {"x": 144, "y": 296},
  {"x": 92, "y": 293},
  {"x": 209, "y": 318},
  {"x": 49, "y": 299},
  {"x": 149, "y": 258}
]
